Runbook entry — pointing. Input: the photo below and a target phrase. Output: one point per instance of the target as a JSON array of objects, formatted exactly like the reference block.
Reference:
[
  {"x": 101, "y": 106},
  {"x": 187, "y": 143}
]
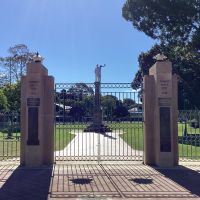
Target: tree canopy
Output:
[
  {"x": 13, "y": 66},
  {"x": 76, "y": 103},
  {"x": 3, "y": 102},
  {"x": 12, "y": 93},
  {"x": 175, "y": 24},
  {"x": 167, "y": 20}
]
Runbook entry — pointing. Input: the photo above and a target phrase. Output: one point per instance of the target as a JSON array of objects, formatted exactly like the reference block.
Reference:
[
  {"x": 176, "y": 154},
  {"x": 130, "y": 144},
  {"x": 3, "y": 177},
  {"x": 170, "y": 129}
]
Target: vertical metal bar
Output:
[
  {"x": 86, "y": 137},
  {"x": 7, "y": 149},
  {"x": 132, "y": 95},
  {"x": 198, "y": 142},
  {"x": 191, "y": 112},
  {"x": 3, "y": 147},
  {"x": 16, "y": 138},
  {"x": 111, "y": 146},
  {"x": 55, "y": 114},
  {"x": 182, "y": 153},
  {"x": 195, "y": 137},
  {"x": 99, "y": 150},
  {"x": 93, "y": 135},
  {"x": 138, "y": 129},
  {"x": 90, "y": 145},
  {"x": 142, "y": 132}
]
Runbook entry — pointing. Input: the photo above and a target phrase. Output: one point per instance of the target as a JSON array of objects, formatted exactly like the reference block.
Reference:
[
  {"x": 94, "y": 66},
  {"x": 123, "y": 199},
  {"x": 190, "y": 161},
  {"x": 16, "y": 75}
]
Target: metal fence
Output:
[
  {"x": 121, "y": 113},
  {"x": 189, "y": 135},
  {"x": 122, "y": 122},
  {"x": 9, "y": 136}
]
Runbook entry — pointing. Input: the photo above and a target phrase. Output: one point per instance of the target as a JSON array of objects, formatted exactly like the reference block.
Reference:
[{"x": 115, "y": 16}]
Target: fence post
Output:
[
  {"x": 160, "y": 116},
  {"x": 37, "y": 115}
]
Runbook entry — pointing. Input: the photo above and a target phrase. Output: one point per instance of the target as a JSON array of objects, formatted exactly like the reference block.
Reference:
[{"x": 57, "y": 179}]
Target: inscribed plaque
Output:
[
  {"x": 33, "y": 126},
  {"x": 165, "y": 129},
  {"x": 33, "y": 101}
]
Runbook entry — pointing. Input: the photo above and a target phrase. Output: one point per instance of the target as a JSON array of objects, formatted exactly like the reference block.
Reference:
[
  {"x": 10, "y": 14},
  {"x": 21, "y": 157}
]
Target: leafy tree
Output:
[
  {"x": 176, "y": 26},
  {"x": 185, "y": 65},
  {"x": 79, "y": 90},
  {"x": 4, "y": 79},
  {"x": 77, "y": 112},
  {"x": 14, "y": 65},
  {"x": 128, "y": 103},
  {"x": 170, "y": 21},
  {"x": 120, "y": 111},
  {"x": 83, "y": 94},
  {"x": 109, "y": 103},
  {"x": 88, "y": 102},
  {"x": 3, "y": 102},
  {"x": 80, "y": 97},
  {"x": 12, "y": 93}
]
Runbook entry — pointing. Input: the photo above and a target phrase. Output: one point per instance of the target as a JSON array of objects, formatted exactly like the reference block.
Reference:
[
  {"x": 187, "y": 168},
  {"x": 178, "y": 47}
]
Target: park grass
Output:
[
  {"x": 65, "y": 133},
  {"x": 62, "y": 138},
  {"x": 10, "y": 148},
  {"x": 133, "y": 136},
  {"x": 131, "y": 133},
  {"x": 188, "y": 151}
]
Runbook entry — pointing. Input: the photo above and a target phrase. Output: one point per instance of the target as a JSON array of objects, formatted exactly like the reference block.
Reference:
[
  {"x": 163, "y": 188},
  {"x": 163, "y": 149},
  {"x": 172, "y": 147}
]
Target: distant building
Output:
[
  {"x": 136, "y": 108},
  {"x": 136, "y": 113}
]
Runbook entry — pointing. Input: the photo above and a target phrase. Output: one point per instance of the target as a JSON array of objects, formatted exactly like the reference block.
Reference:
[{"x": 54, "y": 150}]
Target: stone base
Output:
[{"x": 98, "y": 128}]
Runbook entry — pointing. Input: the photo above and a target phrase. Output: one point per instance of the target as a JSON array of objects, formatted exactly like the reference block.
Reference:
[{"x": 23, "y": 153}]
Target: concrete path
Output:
[{"x": 88, "y": 145}]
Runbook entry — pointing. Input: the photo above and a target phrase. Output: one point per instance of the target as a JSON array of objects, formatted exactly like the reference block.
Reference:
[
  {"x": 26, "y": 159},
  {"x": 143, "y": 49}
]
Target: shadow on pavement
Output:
[
  {"x": 185, "y": 177},
  {"x": 26, "y": 183},
  {"x": 108, "y": 136}
]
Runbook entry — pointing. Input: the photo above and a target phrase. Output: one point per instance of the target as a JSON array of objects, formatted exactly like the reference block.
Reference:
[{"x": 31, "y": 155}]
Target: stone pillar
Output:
[
  {"x": 37, "y": 116},
  {"x": 160, "y": 116}
]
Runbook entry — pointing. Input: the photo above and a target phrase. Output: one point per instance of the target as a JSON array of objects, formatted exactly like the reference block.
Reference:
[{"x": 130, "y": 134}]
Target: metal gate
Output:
[
  {"x": 120, "y": 137},
  {"x": 10, "y": 136},
  {"x": 189, "y": 135}
]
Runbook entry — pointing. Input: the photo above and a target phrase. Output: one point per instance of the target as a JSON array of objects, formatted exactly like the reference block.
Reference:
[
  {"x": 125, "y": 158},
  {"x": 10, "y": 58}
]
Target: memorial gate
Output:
[{"x": 100, "y": 121}]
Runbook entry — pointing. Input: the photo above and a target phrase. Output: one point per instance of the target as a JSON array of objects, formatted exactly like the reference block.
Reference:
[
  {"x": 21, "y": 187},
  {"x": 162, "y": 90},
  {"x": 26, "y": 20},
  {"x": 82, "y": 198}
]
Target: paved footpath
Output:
[
  {"x": 91, "y": 144},
  {"x": 104, "y": 181}
]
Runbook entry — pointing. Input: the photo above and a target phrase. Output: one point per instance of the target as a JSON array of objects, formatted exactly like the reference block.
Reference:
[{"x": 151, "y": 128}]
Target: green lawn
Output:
[
  {"x": 65, "y": 133},
  {"x": 62, "y": 137},
  {"x": 188, "y": 151},
  {"x": 131, "y": 133},
  {"x": 133, "y": 136},
  {"x": 10, "y": 148}
]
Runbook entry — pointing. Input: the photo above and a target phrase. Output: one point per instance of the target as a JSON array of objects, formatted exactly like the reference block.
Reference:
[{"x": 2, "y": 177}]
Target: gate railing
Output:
[
  {"x": 10, "y": 136},
  {"x": 121, "y": 115},
  {"x": 67, "y": 129},
  {"x": 189, "y": 135}
]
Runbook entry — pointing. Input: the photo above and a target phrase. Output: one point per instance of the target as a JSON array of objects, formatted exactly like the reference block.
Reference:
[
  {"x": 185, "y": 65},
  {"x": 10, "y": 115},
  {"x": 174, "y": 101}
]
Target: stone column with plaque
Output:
[
  {"x": 160, "y": 116},
  {"x": 37, "y": 115}
]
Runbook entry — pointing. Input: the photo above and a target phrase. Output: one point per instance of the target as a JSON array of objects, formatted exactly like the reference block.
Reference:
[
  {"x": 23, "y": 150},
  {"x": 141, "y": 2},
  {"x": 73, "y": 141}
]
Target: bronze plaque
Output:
[
  {"x": 165, "y": 129},
  {"x": 33, "y": 126},
  {"x": 33, "y": 102}
]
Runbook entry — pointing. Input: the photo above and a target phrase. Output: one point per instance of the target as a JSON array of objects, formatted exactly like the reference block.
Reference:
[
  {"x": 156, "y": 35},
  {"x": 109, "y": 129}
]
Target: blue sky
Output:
[{"x": 74, "y": 36}]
